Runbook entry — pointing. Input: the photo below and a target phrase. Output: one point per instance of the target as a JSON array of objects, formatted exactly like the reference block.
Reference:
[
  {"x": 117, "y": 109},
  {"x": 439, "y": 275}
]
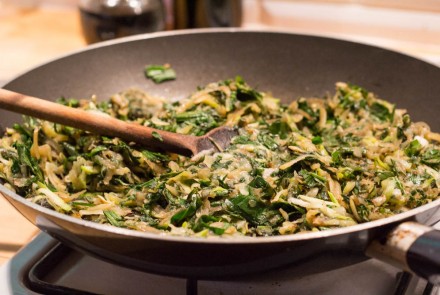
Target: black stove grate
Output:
[
  {"x": 37, "y": 282},
  {"x": 36, "y": 275}
]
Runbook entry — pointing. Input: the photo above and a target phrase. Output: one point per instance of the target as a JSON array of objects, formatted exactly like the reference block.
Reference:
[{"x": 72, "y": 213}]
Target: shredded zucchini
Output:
[{"x": 315, "y": 164}]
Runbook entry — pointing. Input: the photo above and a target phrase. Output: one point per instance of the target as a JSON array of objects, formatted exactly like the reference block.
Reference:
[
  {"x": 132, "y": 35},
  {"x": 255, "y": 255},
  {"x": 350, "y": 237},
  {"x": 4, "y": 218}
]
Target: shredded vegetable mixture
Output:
[{"x": 312, "y": 165}]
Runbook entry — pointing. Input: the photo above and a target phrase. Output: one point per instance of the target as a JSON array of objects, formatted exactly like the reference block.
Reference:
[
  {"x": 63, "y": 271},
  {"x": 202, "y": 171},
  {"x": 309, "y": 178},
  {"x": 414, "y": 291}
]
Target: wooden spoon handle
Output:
[{"x": 97, "y": 122}]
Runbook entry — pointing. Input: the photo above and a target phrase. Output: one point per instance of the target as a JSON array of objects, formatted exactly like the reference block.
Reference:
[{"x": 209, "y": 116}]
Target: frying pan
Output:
[{"x": 287, "y": 65}]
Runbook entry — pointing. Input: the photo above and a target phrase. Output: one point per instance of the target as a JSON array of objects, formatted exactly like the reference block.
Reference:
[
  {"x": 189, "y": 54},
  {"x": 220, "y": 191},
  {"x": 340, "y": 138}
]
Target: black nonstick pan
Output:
[{"x": 287, "y": 65}]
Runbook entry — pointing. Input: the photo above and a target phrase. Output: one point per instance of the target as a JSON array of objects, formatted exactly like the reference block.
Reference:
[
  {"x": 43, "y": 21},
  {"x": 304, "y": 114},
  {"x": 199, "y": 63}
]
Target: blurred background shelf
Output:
[
  {"x": 30, "y": 36},
  {"x": 411, "y": 27}
]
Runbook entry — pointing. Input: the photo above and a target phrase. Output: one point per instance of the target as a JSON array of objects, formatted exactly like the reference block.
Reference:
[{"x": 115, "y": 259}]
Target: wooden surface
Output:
[
  {"x": 31, "y": 37},
  {"x": 15, "y": 230},
  {"x": 27, "y": 39}
]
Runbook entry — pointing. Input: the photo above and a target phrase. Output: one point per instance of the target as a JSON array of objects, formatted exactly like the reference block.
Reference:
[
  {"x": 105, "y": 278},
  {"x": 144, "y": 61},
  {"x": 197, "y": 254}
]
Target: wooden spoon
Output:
[{"x": 102, "y": 124}]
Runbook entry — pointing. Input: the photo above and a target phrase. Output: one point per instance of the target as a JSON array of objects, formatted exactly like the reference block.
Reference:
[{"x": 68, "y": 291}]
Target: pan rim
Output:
[
  {"x": 214, "y": 240},
  {"x": 205, "y": 31},
  {"x": 165, "y": 236}
]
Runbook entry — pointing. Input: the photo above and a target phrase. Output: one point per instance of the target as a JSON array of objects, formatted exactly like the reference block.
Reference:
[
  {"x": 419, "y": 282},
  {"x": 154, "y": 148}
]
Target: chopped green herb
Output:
[
  {"x": 413, "y": 148},
  {"x": 160, "y": 73},
  {"x": 113, "y": 218},
  {"x": 381, "y": 112},
  {"x": 431, "y": 158},
  {"x": 317, "y": 140},
  {"x": 71, "y": 102},
  {"x": 157, "y": 136}
]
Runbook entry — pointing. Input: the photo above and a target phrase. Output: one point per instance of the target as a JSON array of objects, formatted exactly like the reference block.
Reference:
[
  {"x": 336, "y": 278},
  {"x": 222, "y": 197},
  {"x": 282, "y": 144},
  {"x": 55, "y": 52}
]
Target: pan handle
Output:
[{"x": 413, "y": 247}]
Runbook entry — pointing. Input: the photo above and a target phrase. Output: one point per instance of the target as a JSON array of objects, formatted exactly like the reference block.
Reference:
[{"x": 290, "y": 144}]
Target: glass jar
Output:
[{"x": 109, "y": 19}]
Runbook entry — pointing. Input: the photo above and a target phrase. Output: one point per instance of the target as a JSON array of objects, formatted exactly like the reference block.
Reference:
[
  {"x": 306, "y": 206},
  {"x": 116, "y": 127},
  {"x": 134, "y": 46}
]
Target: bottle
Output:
[
  {"x": 109, "y": 19},
  {"x": 207, "y": 13}
]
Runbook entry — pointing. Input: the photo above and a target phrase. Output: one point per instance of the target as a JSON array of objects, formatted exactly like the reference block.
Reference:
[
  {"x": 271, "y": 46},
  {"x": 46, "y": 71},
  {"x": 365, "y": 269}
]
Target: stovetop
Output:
[{"x": 45, "y": 266}]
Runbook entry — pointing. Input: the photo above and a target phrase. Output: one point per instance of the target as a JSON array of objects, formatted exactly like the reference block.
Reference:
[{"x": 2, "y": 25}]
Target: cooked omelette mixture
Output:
[{"x": 311, "y": 165}]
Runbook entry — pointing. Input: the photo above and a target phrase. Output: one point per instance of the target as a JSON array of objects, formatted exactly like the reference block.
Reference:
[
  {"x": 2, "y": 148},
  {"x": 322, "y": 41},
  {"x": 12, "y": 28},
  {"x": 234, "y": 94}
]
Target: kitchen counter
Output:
[
  {"x": 33, "y": 36},
  {"x": 29, "y": 37}
]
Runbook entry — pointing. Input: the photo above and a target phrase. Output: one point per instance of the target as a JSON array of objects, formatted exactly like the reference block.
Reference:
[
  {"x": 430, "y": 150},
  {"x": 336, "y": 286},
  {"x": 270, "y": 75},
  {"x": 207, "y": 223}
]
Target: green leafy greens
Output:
[{"x": 315, "y": 164}]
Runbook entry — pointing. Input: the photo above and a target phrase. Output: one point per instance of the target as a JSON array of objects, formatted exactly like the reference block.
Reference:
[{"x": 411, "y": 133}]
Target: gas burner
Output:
[{"x": 46, "y": 266}]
